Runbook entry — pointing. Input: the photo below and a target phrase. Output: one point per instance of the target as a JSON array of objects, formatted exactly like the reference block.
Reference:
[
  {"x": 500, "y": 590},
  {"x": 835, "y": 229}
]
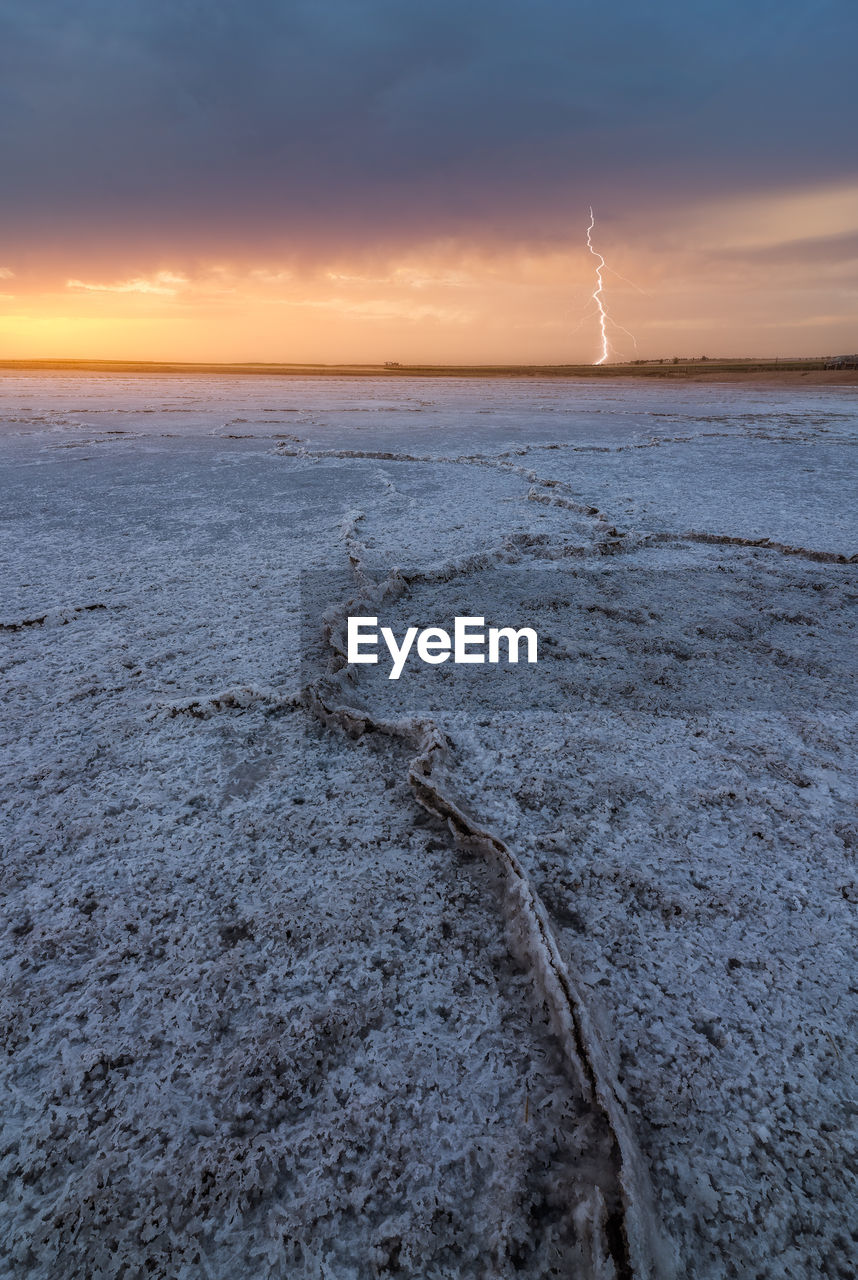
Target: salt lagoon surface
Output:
[{"x": 311, "y": 974}]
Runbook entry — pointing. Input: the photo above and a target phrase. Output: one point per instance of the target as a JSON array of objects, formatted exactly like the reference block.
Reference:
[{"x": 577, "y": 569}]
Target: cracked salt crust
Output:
[{"x": 264, "y": 1019}]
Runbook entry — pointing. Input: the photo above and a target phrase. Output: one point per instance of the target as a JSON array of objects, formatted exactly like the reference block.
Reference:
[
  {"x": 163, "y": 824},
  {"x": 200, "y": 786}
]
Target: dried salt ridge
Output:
[
  {"x": 262, "y": 1019},
  {"x": 621, "y": 1237}
]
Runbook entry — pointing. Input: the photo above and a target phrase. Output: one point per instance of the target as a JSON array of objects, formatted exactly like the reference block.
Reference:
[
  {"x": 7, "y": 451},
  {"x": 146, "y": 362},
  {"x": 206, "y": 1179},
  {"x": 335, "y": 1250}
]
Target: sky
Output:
[{"x": 368, "y": 180}]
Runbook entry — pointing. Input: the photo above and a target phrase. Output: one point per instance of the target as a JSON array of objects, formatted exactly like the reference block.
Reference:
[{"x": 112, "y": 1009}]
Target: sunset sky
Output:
[{"x": 364, "y": 180}]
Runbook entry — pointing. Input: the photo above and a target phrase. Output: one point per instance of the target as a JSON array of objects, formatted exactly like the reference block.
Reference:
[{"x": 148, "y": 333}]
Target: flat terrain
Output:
[
  {"x": 787, "y": 373},
  {"x": 311, "y": 975}
]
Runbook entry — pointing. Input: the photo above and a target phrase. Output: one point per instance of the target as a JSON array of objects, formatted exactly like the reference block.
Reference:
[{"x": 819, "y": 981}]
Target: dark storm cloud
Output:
[{"x": 292, "y": 122}]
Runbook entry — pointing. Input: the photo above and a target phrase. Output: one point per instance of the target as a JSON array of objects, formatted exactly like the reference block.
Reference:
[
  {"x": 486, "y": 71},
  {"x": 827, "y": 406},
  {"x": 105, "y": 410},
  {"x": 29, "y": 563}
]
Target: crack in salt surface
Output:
[
  {"x": 624, "y": 1230},
  {"x": 766, "y": 544},
  {"x": 58, "y": 617},
  {"x": 556, "y": 493},
  {"x": 464, "y": 459},
  {"x": 236, "y": 698}
]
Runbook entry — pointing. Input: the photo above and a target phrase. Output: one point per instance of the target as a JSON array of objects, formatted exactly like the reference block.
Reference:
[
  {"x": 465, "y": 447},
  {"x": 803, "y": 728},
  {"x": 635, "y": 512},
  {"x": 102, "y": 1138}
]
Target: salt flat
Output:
[{"x": 275, "y": 1004}]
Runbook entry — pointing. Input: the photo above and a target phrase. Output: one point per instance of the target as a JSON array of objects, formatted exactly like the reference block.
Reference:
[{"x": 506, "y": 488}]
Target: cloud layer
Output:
[
  {"x": 362, "y": 121},
  {"x": 355, "y": 179}
]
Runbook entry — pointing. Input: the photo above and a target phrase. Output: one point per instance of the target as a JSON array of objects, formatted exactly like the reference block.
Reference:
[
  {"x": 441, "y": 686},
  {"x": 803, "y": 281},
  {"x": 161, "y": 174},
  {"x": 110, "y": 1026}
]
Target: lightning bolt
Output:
[{"x": 604, "y": 318}]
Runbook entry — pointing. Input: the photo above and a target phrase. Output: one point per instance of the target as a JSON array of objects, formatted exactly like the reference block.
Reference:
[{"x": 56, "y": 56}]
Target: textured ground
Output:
[{"x": 263, "y": 1015}]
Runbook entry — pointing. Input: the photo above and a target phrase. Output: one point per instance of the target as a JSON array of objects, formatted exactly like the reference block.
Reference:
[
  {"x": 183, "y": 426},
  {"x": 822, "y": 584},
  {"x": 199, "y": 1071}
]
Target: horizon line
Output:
[{"x": 654, "y": 366}]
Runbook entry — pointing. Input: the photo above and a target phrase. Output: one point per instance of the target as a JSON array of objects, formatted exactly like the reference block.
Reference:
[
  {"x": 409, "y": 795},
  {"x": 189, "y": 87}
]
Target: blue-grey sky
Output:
[{"x": 363, "y": 118}]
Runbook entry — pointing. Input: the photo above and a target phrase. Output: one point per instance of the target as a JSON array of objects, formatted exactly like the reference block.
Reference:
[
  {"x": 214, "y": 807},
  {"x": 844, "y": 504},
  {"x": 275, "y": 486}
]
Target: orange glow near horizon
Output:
[{"x": 764, "y": 277}]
